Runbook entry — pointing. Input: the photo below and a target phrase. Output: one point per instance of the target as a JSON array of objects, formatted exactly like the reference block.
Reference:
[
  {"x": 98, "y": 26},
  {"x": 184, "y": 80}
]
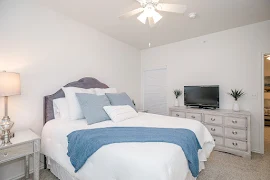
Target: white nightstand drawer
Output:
[
  {"x": 195, "y": 116},
  {"x": 236, "y": 122},
  {"x": 213, "y": 119},
  {"x": 218, "y": 140},
  {"x": 240, "y": 145},
  {"x": 235, "y": 133},
  {"x": 215, "y": 130},
  {"x": 178, "y": 114},
  {"x": 16, "y": 151}
]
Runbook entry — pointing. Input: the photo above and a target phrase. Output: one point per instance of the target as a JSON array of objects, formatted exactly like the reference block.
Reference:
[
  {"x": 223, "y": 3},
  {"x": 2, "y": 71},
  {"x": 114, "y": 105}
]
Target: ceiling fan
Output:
[{"x": 149, "y": 10}]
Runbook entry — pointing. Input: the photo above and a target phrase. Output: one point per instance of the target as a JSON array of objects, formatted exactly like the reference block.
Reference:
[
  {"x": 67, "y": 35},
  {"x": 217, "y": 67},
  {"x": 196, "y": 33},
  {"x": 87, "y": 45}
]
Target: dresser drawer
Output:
[
  {"x": 235, "y": 144},
  {"x": 235, "y": 133},
  {"x": 236, "y": 122},
  {"x": 178, "y": 114},
  {"x": 195, "y": 116},
  {"x": 16, "y": 151},
  {"x": 218, "y": 140},
  {"x": 215, "y": 130},
  {"x": 213, "y": 119}
]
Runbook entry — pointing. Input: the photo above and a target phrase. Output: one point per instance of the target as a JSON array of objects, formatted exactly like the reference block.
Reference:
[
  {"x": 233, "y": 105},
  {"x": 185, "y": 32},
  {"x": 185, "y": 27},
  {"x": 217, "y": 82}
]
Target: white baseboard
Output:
[
  {"x": 41, "y": 166},
  {"x": 257, "y": 151}
]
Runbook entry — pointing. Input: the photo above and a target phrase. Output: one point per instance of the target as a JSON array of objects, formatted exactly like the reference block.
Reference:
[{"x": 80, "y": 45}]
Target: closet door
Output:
[{"x": 155, "y": 91}]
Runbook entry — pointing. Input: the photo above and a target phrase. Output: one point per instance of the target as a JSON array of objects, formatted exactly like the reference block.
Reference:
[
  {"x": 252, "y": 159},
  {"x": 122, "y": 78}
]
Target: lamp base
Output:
[
  {"x": 5, "y": 126},
  {"x": 5, "y": 144},
  {"x": 12, "y": 135}
]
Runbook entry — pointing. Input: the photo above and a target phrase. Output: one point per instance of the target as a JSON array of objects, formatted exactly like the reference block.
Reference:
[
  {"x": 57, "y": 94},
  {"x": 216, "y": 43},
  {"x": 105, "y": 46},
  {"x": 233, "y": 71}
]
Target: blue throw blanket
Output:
[{"x": 84, "y": 143}]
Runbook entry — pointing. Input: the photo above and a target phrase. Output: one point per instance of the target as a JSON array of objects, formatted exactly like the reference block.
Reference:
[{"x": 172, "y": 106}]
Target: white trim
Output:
[
  {"x": 262, "y": 110},
  {"x": 155, "y": 69},
  {"x": 256, "y": 151}
]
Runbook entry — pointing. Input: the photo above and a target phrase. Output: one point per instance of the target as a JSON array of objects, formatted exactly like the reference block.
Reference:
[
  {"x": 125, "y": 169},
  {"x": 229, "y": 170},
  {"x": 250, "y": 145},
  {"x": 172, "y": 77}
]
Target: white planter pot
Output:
[
  {"x": 236, "y": 106},
  {"x": 176, "y": 103}
]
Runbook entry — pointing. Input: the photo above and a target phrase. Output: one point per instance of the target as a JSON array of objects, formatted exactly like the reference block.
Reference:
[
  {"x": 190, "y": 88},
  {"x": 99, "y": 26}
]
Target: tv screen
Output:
[{"x": 202, "y": 96}]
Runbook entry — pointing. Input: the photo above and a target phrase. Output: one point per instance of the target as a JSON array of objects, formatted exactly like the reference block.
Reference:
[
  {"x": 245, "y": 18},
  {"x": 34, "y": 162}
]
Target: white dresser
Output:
[
  {"x": 24, "y": 144},
  {"x": 231, "y": 130}
]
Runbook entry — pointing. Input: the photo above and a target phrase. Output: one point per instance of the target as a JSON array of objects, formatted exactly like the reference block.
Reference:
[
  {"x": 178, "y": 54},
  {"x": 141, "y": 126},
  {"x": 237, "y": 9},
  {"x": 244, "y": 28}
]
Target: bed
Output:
[{"x": 120, "y": 161}]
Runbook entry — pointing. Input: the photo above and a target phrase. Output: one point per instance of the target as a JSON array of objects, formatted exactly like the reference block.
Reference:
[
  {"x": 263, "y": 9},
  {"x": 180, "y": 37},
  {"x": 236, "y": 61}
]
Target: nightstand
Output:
[{"x": 24, "y": 144}]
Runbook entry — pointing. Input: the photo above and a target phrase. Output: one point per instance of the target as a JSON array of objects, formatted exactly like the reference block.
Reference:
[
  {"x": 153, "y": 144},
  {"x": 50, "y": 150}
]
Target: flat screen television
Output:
[{"x": 202, "y": 96}]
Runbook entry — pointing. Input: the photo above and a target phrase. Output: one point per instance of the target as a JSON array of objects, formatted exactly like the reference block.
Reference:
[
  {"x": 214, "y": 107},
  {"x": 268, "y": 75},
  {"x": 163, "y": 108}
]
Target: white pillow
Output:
[
  {"x": 120, "y": 113},
  {"x": 60, "y": 108},
  {"x": 100, "y": 91},
  {"x": 74, "y": 108}
]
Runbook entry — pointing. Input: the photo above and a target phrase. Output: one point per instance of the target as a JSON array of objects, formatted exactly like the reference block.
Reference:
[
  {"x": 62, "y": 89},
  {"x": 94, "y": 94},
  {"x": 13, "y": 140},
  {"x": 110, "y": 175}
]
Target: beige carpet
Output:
[{"x": 222, "y": 166}]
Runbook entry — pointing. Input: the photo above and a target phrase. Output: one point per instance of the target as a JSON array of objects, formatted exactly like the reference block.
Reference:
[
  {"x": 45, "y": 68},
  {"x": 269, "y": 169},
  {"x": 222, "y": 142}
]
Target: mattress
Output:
[{"x": 132, "y": 161}]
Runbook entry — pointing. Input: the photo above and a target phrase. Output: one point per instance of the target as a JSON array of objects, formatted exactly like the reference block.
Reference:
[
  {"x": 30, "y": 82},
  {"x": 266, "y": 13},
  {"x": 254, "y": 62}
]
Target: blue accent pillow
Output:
[
  {"x": 92, "y": 107},
  {"x": 120, "y": 99}
]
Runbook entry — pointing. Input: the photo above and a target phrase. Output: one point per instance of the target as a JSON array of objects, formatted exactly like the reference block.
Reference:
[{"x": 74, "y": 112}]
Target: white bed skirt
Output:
[
  {"x": 63, "y": 174},
  {"x": 58, "y": 170}
]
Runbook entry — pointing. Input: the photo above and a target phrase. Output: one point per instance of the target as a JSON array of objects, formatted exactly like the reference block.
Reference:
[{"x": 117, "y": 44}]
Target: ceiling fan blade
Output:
[
  {"x": 151, "y": 22},
  {"x": 131, "y": 13},
  {"x": 175, "y": 8}
]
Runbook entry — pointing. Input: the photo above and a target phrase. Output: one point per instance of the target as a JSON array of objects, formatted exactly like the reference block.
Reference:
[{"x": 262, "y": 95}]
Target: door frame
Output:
[{"x": 262, "y": 113}]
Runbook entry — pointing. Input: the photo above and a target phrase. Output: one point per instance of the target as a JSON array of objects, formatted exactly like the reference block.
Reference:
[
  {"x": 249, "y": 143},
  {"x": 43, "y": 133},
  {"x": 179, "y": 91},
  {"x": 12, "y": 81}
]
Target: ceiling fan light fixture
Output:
[
  {"x": 142, "y": 17},
  {"x": 156, "y": 17},
  {"x": 149, "y": 10}
]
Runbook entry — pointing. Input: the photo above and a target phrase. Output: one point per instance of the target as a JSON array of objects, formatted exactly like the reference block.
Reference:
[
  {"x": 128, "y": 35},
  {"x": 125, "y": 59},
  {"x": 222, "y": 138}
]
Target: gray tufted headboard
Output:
[{"x": 85, "y": 83}]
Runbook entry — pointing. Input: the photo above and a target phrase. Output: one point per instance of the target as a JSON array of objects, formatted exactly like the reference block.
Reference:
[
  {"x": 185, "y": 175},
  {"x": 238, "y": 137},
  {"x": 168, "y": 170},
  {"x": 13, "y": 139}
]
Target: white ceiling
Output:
[{"x": 213, "y": 16}]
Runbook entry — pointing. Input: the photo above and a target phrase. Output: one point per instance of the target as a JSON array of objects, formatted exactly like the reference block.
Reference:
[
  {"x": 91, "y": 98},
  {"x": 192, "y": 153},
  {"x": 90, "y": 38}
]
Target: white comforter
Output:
[{"x": 128, "y": 161}]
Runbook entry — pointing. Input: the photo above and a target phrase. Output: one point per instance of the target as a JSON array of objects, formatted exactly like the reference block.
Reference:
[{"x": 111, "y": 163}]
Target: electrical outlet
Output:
[{"x": 254, "y": 96}]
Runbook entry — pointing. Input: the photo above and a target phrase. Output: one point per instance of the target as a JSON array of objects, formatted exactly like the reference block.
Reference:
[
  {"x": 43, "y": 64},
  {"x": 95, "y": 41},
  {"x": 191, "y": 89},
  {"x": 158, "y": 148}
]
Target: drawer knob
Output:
[
  {"x": 5, "y": 154},
  {"x": 177, "y": 115},
  {"x": 193, "y": 117},
  {"x": 213, "y": 119},
  {"x": 234, "y": 132},
  {"x": 213, "y": 129},
  {"x": 234, "y": 121},
  {"x": 235, "y": 144}
]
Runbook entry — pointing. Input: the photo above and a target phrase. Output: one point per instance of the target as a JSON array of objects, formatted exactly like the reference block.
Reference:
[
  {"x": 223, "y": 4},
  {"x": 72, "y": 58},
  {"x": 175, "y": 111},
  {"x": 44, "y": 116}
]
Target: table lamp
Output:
[{"x": 10, "y": 85}]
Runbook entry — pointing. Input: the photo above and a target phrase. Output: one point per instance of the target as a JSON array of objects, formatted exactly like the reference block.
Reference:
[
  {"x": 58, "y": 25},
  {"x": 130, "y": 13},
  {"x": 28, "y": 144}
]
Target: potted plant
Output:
[
  {"x": 177, "y": 93},
  {"x": 236, "y": 94}
]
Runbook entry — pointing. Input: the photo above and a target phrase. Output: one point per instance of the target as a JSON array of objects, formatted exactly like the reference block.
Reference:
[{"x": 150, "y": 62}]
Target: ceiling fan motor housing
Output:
[{"x": 148, "y": 3}]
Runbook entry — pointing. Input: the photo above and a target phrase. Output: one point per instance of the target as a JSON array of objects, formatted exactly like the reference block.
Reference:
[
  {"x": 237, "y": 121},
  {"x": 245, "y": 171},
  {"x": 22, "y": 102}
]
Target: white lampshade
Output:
[
  {"x": 10, "y": 84},
  {"x": 142, "y": 17},
  {"x": 156, "y": 16}
]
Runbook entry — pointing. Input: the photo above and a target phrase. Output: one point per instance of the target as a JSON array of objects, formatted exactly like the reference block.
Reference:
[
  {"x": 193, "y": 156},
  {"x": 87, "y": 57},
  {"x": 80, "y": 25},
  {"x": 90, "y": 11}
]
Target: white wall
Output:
[
  {"x": 50, "y": 50},
  {"x": 231, "y": 59}
]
